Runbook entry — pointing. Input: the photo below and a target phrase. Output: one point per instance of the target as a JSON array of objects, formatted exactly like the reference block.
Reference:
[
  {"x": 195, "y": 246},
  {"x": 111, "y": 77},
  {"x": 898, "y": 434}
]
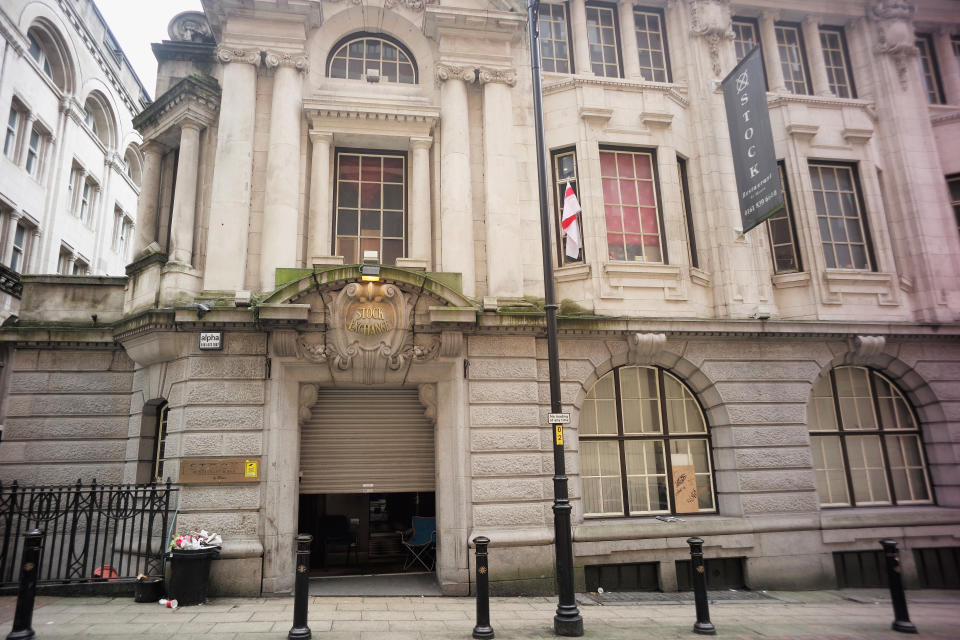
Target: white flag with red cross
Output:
[{"x": 570, "y": 224}]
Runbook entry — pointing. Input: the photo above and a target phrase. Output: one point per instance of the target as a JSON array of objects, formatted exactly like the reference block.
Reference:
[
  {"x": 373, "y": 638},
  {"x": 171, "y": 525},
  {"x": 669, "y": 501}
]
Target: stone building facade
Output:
[
  {"x": 71, "y": 162},
  {"x": 789, "y": 394}
]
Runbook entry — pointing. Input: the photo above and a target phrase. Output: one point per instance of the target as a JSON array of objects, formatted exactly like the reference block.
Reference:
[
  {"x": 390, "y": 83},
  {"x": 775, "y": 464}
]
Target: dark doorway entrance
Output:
[{"x": 360, "y": 533}]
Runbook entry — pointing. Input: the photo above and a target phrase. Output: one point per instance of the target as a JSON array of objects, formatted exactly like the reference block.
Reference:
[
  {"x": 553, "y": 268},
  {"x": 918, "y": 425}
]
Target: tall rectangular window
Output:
[
  {"x": 651, "y": 44},
  {"x": 837, "y": 62},
  {"x": 792, "y": 62},
  {"x": 687, "y": 212},
  {"x": 33, "y": 153},
  {"x": 19, "y": 240},
  {"x": 554, "y": 38},
  {"x": 930, "y": 68},
  {"x": 631, "y": 205},
  {"x": 844, "y": 234},
  {"x": 783, "y": 233},
  {"x": 371, "y": 205},
  {"x": 746, "y": 35},
  {"x": 565, "y": 172},
  {"x": 953, "y": 183},
  {"x": 603, "y": 40},
  {"x": 85, "y": 195},
  {"x": 10, "y": 138}
]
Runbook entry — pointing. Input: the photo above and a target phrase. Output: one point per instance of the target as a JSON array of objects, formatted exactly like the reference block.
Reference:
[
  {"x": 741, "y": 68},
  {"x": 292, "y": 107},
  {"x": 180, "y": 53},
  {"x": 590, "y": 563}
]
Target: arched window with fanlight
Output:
[
  {"x": 644, "y": 446},
  {"x": 867, "y": 447},
  {"x": 45, "y": 47},
  {"x": 375, "y": 57}
]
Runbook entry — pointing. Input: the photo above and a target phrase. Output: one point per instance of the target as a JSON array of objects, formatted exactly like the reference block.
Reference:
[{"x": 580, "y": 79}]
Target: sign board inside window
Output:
[
  {"x": 685, "y": 497},
  {"x": 211, "y": 340}
]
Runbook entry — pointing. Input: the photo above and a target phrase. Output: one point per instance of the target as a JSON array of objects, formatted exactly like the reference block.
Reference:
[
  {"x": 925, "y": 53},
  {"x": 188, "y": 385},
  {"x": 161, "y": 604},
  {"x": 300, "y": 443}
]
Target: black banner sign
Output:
[{"x": 754, "y": 159}]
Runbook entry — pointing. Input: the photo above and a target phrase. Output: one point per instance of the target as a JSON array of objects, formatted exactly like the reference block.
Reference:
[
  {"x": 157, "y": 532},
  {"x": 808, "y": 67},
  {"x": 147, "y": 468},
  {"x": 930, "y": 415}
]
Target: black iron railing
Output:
[{"x": 92, "y": 533}]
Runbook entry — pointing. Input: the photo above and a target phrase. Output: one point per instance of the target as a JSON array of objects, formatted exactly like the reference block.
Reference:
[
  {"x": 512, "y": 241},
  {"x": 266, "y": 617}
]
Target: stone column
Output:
[
  {"x": 320, "y": 223},
  {"x": 949, "y": 68},
  {"x": 185, "y": 194},
  {"x": 456, "y": 208},
  {"x": 68, "y": 265},
  {"x": 7, "y": 250},
  {"x": 230, "y": 199},
  {"x": 278, "y": 238},
  {"x": 32, "y": 256},
  {"x": 504, "y": 256},
  {"x": 771, "y": 54},
  {"x": 149, "y": 194},
  {"x": 628, "y": 36},
  {"x": 420, "y": 229},
  {"x": 581, "y": 48},
  {"x": 818, "y": 67}
]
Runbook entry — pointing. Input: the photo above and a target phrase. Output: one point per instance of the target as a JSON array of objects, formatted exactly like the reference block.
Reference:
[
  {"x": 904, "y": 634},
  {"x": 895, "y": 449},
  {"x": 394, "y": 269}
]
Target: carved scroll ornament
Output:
[
  {"x": 895, "y": 36},
  {"x": 232, "y": 54},
  {"x": 501, "y": 76},
  {"x": 446, "y": 72},
  {"x": 710, "y": 19},
  {"x": 274, "y": 60}
]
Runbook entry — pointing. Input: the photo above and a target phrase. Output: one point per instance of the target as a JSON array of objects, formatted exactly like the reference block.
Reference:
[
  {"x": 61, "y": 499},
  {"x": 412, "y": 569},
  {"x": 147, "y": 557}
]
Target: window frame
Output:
[
  {"x": 159, "y": 443},
  {"x": 663, "y": 436},
  {"x": 338, "y": 152},
  {"x": 565, "y": 8},
  {"x": 802, "y": 49},
  {"x": 618, "y": 45},
  {"x": 41, "y": 58},
  {"x": 955, "y": 203},
  {"x": 845, "y": 54},
  {"x": 559, "y": 189},
  {"x": 853, "y": 167},
  {"x": 880, "y": 432},
  {"x": 932, "y": 81},
  {"x": 32, "y": 163},
  {"x": 364, "y": 35},
  {"x": 655, "y": 173},
  {"x": 683, "y": 175},
  {"x": 18, "y": 253},
  {"x": 664, "y": 45},
  {"x": 11, "y": 136},
  {"x": 788, "y": 213},
  {"x": 754, "y": 24}
]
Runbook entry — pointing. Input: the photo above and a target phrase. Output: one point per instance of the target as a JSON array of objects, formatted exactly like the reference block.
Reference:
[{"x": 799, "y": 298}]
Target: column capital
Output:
[
  {"x": 501, "y": 76},
  {"x": 320, "y": 137},
  {"x": 811, "y": 20},
  {"x": 227, "y": 54},
  {"x": 772, "y": 16},
  {"x": 421, "y": 142},
  {"x": 150, "y": 147},
  {"x": 895, "y": 35},
  {"x": 445, "y": 71},
  {"x": 190, "y": 123},
  {"x": 275, "y": 59}
]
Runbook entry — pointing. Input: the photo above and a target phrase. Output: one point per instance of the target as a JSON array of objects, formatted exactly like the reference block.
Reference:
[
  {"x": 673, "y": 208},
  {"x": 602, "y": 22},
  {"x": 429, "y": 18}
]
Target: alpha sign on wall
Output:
[{"x": 754, "y": 158}]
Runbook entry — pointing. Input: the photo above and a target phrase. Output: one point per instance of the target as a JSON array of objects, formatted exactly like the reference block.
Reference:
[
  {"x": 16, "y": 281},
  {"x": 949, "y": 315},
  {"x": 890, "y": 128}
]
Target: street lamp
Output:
[{"x": 567, "y": 621}]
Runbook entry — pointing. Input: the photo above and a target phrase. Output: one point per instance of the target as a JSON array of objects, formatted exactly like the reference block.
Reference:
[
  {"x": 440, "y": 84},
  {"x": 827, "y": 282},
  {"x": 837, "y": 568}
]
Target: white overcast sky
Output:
[{"x": 139, "y": 23}]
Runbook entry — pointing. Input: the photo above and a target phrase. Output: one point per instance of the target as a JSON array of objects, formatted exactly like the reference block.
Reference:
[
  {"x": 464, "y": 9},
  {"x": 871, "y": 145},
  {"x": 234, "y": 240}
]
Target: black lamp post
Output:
[{"x": 568, "y": 621}]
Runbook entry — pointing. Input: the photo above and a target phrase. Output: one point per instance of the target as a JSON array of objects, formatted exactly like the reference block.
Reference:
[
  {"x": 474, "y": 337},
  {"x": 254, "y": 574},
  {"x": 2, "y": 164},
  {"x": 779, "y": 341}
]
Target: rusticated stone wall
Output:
[{"x": 67, "y": 415}]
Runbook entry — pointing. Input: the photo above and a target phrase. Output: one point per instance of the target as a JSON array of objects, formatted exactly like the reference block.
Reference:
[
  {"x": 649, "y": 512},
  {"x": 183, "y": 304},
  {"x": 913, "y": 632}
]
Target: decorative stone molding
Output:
[
  {"x": 645, "y": 347},
  {"x": 451, "y": 343},
  {"x": 502, "y": 76},
  {"x": 895, "y": 35},
  {"x": 190, "y": 26},
  {"x": 284, "y": 343},
  {"x": 281, "y": 59},
  {"x": 428, "y": 398},
  {"x": 308, "y": 398},
  {"x": 446, "y": 72},
  {"x": 710, "y": 19},
  {"x": 233, "y": 54},
  {"x": 412, "y": 5},
  {"x": 867, "y": 347}
]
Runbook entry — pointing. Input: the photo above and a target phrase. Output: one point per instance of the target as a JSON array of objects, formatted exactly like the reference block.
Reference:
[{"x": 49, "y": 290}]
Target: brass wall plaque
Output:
[{"x": 202, "y": 470}]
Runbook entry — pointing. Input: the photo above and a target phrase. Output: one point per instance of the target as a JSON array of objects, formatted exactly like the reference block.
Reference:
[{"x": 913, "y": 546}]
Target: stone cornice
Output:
[
  {"x": 348, "y": 110},
  {"x": 202, "y": 93},
  {"x": 10, "y": 33},
  {"x": 775, "y": 99},
  {"x": 438, "y": 19},
  {"x": 572, "y": 82},
  {"x": 412, "y": 5}
]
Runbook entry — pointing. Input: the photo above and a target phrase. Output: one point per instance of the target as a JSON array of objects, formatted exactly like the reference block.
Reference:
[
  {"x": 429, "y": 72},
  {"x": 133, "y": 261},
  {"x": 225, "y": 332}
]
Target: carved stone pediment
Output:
[{"x": 369, "y": 336}]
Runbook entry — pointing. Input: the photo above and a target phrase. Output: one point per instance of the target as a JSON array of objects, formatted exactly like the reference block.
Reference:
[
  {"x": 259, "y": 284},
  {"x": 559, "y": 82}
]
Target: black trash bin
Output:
[{"x": 190, "y": 575}]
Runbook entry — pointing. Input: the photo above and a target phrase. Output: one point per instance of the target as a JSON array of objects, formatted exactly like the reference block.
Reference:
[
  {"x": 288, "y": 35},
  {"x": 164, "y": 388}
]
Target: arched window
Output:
[
  {"x": 866, "y": 442},
  {"x": 46, "y": 50},
  {"x": 98, "y": 116},
  {"x": 131, "y": 164},
  {"x": 374, "y": 57},
  {"x": 644, "y": 446}
]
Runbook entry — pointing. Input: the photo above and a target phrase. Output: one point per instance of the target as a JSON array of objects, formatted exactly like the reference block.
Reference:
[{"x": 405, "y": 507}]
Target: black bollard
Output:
[
  {"x": 29, "y": 570},
  {"x": 699, "y": 579},
  {"x": 300, "y": 630},
  {"x": 901, "y": 619},
  {"x": 483, "y": 630}
]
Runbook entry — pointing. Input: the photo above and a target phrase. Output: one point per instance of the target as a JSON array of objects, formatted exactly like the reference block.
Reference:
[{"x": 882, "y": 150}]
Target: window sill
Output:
[
  {"x": 787, "y": 280},
  {"x": 840, "y": 520},
  {"x": 856, "y": 281},
  {"x": 572, "y": 272}
]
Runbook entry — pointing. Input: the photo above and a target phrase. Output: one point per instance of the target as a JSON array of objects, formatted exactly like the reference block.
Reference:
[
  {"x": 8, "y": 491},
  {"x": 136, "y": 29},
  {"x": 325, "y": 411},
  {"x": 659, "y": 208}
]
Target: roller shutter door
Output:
[{"x": 366, "y": 441}]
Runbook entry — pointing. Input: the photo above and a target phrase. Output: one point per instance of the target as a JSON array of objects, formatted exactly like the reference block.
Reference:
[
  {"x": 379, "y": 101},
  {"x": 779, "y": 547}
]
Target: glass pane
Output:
[
  {"x": 866, "y": 470},
  {"x": 828, "y": 467},
  {"x": 600, "y": 475},
  {"x": 346, "y": 223},
  {"x": 392, "y": 249},
  {"x": 646, "y": 476},
  {"x": 686, "y": 454}
]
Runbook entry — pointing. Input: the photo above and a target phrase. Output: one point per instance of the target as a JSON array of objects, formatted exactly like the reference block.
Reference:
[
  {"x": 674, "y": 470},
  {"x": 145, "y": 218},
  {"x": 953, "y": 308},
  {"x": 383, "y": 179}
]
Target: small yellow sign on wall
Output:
[
  {"x": 558, "y": 429},
  {"x": 250, "y": 469}
]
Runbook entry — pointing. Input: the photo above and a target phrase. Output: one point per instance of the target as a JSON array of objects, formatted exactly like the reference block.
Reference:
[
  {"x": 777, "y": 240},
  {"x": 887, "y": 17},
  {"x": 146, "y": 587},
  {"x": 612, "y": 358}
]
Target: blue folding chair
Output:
[{"x": 420, "y": 540}]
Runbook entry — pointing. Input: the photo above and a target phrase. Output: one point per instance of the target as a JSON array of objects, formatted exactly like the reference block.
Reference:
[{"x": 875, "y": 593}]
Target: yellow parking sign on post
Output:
[{"x": 558, "y": 430}]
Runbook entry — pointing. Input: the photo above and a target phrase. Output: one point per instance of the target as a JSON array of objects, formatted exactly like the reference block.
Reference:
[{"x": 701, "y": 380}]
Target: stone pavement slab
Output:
[{"x": 796, "y": 615}]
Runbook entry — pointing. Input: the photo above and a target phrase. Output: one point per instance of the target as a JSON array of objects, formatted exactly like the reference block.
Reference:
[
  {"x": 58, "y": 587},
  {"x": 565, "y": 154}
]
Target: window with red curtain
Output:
[{"x": 631, "y": 209}]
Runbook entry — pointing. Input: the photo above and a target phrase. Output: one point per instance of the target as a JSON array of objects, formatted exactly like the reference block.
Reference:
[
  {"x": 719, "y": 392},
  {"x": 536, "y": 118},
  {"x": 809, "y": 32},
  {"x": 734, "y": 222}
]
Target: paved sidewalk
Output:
[{"x": 821, "y": 615}]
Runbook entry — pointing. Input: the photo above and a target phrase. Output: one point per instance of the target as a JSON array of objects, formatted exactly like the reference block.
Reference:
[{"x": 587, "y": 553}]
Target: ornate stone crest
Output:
[
  {"x": 894, "y": 19},
  {"x": 190, "y": 26},
  {"x": 369, "y": 334},
  {"x": 711, "y": 20}
]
